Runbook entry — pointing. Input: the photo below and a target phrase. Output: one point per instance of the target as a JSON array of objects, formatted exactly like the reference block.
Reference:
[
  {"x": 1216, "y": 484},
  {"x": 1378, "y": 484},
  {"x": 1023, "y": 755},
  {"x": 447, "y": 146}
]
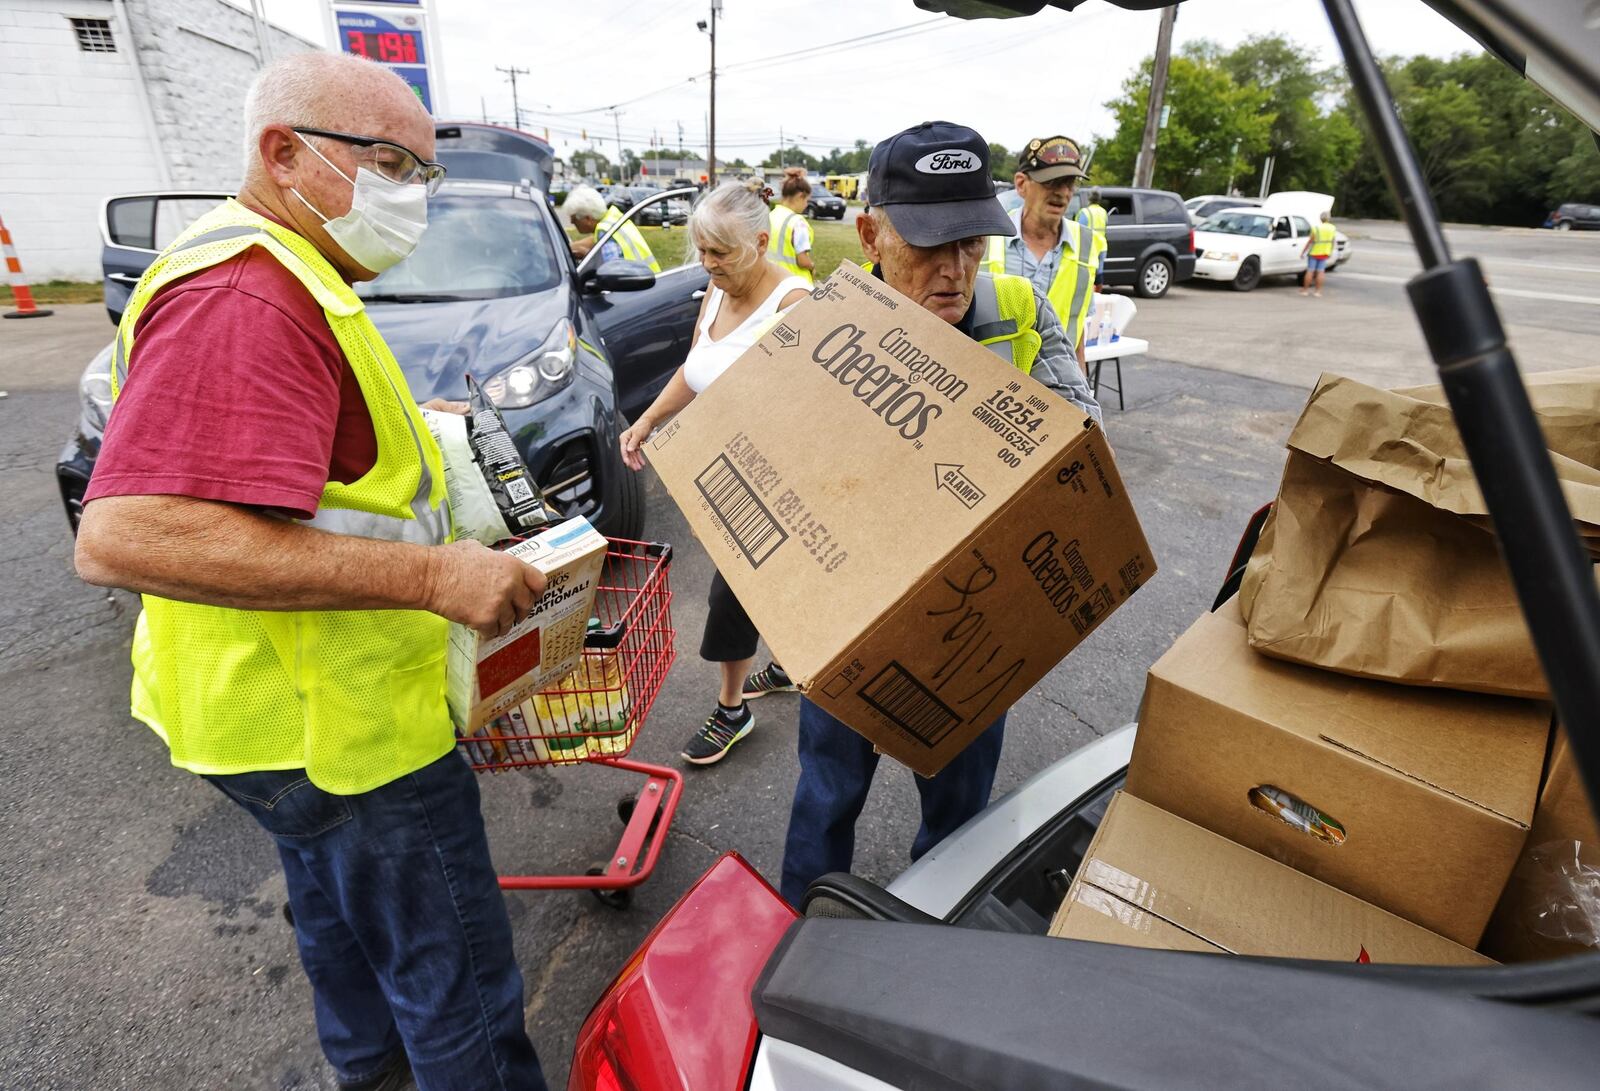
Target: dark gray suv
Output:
[{"x": 1149, "y": 239}]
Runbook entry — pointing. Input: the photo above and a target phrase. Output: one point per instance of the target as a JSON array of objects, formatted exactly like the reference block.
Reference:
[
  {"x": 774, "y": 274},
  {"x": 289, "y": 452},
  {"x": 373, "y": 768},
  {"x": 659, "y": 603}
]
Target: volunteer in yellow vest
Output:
[
  {"x": 270, "y": 489},
  {"x": 933, "y": 208},
  {"x": 789, "y": 236},
  {"x": 1093, "y": 216},
  {"x": 588, "y": 212},
  {"x": 1060, "y": 256},
  {"x": 1318, "y": 252}
]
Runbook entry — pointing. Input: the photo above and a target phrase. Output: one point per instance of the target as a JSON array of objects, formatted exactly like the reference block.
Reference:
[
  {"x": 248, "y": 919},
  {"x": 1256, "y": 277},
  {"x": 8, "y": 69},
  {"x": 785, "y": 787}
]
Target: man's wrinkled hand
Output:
[
  {"x": 474, "y": 585},
  {"x": 445, "y": 405}
]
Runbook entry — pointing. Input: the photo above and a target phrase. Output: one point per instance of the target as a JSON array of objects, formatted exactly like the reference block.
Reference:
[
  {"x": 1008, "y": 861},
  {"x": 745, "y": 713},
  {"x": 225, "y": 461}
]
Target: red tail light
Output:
[
  {"x": 678, "y": 1017},
  {"x": 1191, "y": 240}
]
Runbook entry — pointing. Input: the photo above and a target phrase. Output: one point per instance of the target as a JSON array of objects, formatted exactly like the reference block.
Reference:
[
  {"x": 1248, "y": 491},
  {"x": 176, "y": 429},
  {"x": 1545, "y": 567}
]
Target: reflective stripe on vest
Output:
[
  {"x": 1004, "y": 319},
  {"x": 1322, "y": 239},
  {"x": 356, "y": 698},
  {"x": 1074, "y": 280},
  {"x": 780, "y": 242},
  {"x": 634, "y": 248}
]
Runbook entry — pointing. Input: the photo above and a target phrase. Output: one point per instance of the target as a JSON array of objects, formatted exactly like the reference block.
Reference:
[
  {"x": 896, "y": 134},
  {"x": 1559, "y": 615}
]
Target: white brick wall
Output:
[{"x": 73, "y": 130}]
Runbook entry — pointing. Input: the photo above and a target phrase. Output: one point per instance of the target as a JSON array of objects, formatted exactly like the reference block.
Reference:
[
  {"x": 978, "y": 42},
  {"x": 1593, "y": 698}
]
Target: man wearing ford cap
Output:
[{"x": 933, "y": 209}]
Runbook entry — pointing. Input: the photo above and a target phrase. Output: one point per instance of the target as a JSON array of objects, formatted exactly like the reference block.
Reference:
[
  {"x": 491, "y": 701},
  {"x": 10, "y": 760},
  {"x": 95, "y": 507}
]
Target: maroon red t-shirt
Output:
[{"x": 237, "y": 391}]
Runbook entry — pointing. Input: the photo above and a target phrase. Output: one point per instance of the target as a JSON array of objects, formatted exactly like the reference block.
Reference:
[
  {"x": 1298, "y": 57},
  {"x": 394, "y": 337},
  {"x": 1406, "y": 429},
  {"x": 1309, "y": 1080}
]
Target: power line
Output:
[
  {"x": 846, "y": 44},
  {"x": 880, "y": 37}
]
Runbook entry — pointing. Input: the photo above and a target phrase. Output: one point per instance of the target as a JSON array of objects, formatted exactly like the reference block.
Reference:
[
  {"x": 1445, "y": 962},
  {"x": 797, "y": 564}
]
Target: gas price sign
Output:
[{"x": 394, "y": 34}]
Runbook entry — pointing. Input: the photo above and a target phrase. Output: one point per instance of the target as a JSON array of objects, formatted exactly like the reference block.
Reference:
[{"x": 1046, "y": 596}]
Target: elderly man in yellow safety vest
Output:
[
  {"x": 933, "y": 204},
  {"x": 267, "y": 483},
  {"x": 1060, "y": 256},
  {"x": 592, "y": 217}
]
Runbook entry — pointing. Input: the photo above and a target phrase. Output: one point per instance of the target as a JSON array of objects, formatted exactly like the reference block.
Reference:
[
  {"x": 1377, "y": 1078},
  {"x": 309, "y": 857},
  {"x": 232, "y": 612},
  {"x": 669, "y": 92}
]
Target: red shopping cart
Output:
[{"x": 593, "y": 715}]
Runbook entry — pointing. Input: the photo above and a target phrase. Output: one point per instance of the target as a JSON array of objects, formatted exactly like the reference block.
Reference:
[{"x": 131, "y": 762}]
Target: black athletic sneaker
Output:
[
  {"x": 770, "y": 679},
  {"x": 717, "y": 736}
]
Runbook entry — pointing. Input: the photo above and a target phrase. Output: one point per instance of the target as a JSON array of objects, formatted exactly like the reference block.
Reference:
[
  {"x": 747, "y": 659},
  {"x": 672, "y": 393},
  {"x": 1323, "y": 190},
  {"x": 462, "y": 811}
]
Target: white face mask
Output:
[{"x": 385, "y": 221}]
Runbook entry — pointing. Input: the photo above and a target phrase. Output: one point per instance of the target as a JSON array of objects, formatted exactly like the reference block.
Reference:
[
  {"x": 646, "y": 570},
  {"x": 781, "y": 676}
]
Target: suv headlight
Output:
[
  {"x": 94, "y": 390},
  {"x": 541, "y": 373}
]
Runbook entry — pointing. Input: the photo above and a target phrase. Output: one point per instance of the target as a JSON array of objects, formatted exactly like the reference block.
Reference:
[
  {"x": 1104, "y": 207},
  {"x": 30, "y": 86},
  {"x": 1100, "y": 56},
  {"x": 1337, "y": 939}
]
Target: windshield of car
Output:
[
  {"x": 1254, "y": 224},
  {"x": 474, "y": 248}
]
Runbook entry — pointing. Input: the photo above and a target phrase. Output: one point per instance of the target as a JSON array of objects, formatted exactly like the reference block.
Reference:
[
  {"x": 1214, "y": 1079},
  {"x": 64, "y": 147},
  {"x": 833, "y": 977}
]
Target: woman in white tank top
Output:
[{"x": 729, "y": 228}]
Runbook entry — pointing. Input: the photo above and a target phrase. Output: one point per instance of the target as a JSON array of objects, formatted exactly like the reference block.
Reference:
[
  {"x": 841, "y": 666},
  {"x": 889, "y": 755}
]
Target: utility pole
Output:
[
  {"x": 622, "y": 168},
  {"x": 783, "y": 152},
  {"x": 1145, "y": 168},
  {"x": 512, "y": 74},
  {"x": 711, "y": 124}
]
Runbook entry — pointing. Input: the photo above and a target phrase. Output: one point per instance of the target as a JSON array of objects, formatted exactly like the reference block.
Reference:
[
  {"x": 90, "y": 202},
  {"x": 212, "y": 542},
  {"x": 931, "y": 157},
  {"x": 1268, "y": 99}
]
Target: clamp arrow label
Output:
[{"x": 950, "y": 476}]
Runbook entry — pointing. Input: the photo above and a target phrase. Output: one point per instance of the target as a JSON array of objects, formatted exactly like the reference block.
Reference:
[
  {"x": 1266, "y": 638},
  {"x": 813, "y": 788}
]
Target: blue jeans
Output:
[
  {"x": 402, "y": 927},
  {"x": 836, "y": 768}
]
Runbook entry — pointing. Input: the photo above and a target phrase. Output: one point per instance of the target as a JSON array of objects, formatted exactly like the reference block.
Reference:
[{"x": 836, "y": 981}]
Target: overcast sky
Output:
[{"x": 1010, "y": 79}]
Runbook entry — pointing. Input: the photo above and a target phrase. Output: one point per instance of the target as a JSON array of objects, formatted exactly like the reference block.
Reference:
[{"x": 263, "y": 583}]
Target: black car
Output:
[
  {"x": 1575, "y": 217},
  {"x": 824, "y": 205},
  {"x": 672, "y": 212},
  {"x": 1149, "y": 239},
  {"x": 622, "y": 198},
  {"x": 491, "y": 290}
]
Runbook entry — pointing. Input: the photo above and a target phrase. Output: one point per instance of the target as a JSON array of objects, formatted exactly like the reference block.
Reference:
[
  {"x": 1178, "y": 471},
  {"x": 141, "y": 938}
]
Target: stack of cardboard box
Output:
[{"x": 1312, "y": 776}]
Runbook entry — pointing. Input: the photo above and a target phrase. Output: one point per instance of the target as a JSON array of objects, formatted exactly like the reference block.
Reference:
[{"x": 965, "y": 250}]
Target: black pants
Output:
[{"x": 730, "y": 635}]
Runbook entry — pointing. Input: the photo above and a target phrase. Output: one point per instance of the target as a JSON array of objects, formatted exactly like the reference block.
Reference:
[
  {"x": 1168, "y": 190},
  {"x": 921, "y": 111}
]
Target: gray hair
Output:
[
  {"x": 729, "y": 218},
  {"x": 584, "y": 201},
  {"x": 298, "y": 90}
]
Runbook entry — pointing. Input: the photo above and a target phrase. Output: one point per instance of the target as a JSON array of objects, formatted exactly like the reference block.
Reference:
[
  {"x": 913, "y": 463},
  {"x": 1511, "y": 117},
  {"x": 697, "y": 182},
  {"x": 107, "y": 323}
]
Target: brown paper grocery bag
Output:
[{"x": 1378, "y": 561}]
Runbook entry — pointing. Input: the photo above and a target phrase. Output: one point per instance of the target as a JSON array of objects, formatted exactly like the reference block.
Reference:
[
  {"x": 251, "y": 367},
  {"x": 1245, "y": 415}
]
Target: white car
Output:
[
  {"x": 1241, "y": 245},
  {"x": 1207, "y": 205}
]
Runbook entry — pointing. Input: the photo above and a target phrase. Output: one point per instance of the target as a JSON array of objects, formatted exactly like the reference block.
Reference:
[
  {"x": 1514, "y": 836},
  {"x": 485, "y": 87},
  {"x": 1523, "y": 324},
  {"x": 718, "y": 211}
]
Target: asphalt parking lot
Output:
[{"x": 142, "y": 945}]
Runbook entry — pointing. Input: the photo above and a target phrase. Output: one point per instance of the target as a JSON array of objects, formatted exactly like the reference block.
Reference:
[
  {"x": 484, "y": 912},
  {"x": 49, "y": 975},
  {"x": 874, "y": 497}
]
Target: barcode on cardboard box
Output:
[
  {"x": 910, "y": 705},
  {"x": 742, "y": 514}
]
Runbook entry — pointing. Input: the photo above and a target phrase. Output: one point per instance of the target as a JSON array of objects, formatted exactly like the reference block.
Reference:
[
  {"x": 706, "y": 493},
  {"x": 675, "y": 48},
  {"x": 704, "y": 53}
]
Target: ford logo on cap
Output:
[{"x": 949, "y": 161}]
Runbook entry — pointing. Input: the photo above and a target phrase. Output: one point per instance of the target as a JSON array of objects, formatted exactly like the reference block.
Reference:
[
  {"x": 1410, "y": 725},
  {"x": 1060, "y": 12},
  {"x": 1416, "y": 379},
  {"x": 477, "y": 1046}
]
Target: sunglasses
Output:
[{"x": 395, "y": 162}]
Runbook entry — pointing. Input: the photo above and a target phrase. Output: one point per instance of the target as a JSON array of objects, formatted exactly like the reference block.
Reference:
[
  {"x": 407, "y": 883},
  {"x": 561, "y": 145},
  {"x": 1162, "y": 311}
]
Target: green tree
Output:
[
  {"x": 1002, "y": 163},
  {"x": 793, "y": 156},
  {"x": 1494, "y": 148},
  {"x": 1210, "y": 114},
  {"x": 1312, "y": 148}
]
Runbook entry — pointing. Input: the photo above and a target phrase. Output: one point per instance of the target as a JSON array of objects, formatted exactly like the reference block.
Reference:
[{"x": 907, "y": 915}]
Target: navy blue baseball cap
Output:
[{"x": 932, "y": 180}]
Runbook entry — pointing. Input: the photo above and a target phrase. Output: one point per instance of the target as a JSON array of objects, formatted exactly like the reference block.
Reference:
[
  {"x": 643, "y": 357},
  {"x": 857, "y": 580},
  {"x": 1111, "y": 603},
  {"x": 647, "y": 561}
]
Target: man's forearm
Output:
[{"x": 225, "y": 555}]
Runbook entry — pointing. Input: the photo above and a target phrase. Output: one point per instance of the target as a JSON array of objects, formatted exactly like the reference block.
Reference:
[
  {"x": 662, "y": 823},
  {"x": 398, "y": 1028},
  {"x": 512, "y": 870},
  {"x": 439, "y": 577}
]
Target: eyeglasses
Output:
[{"x": 395, "y": 162}]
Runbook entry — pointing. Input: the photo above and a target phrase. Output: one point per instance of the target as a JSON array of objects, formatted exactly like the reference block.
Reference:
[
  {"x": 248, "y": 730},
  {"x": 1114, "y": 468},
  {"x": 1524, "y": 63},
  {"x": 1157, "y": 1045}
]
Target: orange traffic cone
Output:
[{"x": 26, "y": 307}]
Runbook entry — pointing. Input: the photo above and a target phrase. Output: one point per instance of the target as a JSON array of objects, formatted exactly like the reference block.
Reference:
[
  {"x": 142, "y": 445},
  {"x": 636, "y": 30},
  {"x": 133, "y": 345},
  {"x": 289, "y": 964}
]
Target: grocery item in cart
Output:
[
  {"x": 487, "y": 678},
  {"x": 590, "y": 705},
  {"x": 515, "y": 493}
]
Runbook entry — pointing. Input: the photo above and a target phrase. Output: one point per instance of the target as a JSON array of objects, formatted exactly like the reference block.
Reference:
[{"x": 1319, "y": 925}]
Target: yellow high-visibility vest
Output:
[
  {"x": 634, "y": 248},
  {"x": 1322, "y": 239},
  {"x": 1074, "y": 280},
  {"x": 780, "y": 242},
  {"x": 1094, "y": 217},
  {"x": 355, "y": 697}
]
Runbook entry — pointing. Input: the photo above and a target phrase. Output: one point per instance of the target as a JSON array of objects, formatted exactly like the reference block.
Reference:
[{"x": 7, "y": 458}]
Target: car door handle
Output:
[
  {"x": 124, "y": 278},
  {"x": 698, "y": 293}
]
